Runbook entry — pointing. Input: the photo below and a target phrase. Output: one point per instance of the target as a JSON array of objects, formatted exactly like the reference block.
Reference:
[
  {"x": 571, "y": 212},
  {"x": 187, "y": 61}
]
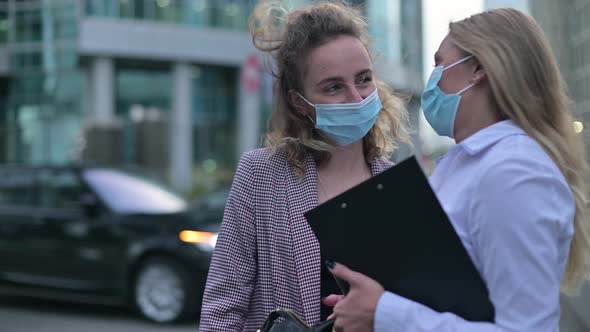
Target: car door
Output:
[
  {"x": 89, "y": 246},
  {"x": 21, "y": 256}
]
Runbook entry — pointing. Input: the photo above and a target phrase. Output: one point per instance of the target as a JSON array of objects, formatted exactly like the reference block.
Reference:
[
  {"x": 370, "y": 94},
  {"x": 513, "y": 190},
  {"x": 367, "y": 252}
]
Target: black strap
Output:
[{"x": 291, "y": 316}]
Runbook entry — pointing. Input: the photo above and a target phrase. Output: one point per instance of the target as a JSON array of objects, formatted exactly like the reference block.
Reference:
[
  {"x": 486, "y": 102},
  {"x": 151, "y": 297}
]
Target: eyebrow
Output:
[
  {"x": 436, "y": 56},
  {"x": 339, "y": 78}
]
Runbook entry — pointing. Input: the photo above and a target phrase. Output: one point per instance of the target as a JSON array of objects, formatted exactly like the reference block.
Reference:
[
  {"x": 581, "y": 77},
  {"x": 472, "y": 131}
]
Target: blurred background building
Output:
[
  {"x": 567, "y": 26},
  {"x": 148, "y": 82},
  {"x": 174, "y": 86}
]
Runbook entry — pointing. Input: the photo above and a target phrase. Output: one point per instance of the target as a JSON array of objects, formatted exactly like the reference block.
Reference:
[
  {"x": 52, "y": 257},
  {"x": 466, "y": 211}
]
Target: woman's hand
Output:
[
  {"x": 332, "y": 299},
  {"x": 356, "y": 310}
]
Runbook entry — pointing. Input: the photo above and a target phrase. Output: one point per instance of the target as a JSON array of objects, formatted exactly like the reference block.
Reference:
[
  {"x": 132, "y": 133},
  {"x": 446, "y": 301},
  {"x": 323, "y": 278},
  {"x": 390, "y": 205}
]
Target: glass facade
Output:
[
  {"x": 578, "y": 75},
  {"x": 227, "y": 14},
  {"x": 384, "y": 27},
  {"x": 396, "y": 28},
  {"x": 411, "y": 34},
  {"x": 131, "y": 90},
  {"x": 4, "y": 22},
  {"x": 215, "y": 113},
  {"x": 567, "y": 27},
  {"x": 43, "y": 98},
  {"x": 144, "y": 111},
  {"x": 42, "y": 117},
  {"x": 579, "y": 56}
]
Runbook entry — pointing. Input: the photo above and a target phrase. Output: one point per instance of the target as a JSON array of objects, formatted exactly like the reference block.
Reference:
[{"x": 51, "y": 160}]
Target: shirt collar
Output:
[{"x": 490, "y": 135}]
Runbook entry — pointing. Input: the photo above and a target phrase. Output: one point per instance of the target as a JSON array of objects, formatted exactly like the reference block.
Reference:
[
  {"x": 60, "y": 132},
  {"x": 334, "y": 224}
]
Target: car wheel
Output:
[{"x": 163, "y": 291}]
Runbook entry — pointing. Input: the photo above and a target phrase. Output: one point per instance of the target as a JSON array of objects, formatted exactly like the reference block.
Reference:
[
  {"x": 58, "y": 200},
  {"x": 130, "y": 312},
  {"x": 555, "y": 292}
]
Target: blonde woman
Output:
[
  {"x": 514, "y": 186},
  {"x": 334, "y": 125}
]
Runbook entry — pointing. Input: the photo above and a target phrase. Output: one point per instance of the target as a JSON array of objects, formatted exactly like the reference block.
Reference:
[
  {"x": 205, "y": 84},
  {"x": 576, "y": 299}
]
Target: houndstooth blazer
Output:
[{"x": 267, "y": 256}]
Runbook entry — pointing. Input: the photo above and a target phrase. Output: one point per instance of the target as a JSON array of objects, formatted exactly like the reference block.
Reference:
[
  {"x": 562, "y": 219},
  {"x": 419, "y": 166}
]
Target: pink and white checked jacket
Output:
[{"x": 267, "y": 256}]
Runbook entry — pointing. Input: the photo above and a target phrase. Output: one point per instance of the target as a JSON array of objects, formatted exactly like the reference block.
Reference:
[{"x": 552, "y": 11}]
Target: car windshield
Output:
[{"x": 127, "y": 193}]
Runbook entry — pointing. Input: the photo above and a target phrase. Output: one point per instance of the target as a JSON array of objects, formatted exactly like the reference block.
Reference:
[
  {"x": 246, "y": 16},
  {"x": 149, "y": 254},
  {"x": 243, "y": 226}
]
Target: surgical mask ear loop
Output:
[
  {"x": 316, "y": 129},
  {"x": 307, "y": 101},
  {"x": 465, "y": 88},
  {"x": 310, "y": 104}
]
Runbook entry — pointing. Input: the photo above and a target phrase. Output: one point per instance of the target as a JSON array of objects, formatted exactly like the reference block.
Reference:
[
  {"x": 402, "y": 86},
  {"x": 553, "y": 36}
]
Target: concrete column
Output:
[
  {"x": 181, "y": 129},
  {"x": 88, "y": 95},
  {"x": 102, "y": 92},
  {"x": 103, "y": 135}
]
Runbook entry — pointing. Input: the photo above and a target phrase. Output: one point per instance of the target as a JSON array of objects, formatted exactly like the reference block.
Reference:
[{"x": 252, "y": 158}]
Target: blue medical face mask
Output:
[
  {"x": 440, "y": 109},
  {"x": 345, "y": 124}
]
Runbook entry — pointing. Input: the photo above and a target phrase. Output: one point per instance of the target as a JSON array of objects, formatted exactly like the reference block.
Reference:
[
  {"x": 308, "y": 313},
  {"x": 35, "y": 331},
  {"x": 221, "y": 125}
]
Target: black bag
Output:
[{"x": 283, "y": 320}]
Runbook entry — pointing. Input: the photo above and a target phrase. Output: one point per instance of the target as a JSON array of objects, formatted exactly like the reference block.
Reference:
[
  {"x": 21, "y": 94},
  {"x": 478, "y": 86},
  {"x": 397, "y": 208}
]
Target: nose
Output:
[{"x": 355, "y": 95}]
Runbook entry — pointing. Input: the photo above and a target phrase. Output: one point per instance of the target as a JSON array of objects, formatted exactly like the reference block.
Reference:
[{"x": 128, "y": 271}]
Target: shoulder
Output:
[
  {"x": 381, "y": 164},
  {"x": 519, "y": 153},
  {"x": 257, "y": 171},
  {"x": 264, "y": 161},
  {"x": 520, "y": 165}
]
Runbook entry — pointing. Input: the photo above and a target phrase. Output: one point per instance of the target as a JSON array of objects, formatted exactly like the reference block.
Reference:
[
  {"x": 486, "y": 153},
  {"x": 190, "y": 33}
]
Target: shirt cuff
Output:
[{"x": 390, "y": 313}]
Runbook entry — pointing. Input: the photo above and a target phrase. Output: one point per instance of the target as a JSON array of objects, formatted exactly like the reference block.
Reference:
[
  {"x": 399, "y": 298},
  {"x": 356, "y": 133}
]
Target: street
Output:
[{"x": 19, "y": 314}]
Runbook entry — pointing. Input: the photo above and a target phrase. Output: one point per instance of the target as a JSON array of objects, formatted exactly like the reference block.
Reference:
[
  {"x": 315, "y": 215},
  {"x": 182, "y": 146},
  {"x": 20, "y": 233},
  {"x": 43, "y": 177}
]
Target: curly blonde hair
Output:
[{"x": 290, "y": 36}]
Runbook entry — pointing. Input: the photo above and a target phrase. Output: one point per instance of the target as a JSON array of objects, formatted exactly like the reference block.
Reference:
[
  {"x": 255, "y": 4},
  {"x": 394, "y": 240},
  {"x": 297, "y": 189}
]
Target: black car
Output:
[{"x": 101, "y": 234}]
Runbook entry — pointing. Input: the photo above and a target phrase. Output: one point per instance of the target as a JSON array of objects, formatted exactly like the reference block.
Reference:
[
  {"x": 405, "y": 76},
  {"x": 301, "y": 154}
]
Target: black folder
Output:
[{"x": 393, "y": 229}]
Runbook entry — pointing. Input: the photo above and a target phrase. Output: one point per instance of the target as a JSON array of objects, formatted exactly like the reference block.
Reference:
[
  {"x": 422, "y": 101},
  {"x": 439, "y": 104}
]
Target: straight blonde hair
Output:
[{"x": 529, "y": 89}]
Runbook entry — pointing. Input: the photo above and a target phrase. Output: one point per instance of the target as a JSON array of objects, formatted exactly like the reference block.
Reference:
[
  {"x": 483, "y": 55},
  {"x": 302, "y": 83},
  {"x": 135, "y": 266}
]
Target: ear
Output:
[
  {"x": 298, "y": 103},
  {"x": 479, "y": 74}
]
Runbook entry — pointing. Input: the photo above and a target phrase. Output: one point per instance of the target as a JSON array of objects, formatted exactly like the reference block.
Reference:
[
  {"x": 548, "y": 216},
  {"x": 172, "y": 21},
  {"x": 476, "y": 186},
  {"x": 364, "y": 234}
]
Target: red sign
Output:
[{"x": 251, "y": 73}]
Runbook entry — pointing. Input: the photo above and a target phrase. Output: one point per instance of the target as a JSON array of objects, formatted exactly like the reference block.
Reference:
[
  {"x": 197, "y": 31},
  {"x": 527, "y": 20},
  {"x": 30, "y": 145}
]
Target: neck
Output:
[
  {"x": 482, "y": 114},
  {"x": 346, "y": 159}
]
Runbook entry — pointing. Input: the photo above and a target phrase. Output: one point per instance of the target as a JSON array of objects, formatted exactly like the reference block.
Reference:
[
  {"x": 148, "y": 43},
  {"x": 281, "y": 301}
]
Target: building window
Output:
[
  {"x": 65, "y": 21},
  {"x": 227, "y": 14},
  {"x": 99, "y": 7},
  {"x": 28, "y": 24},
  {"x": 131, "y": 89},
  {"x": 214, "y": 125},
  {"x": 144, "y": 113},
  {"x": 45, "y": 132},
  {"x": 4, "y": 23}
]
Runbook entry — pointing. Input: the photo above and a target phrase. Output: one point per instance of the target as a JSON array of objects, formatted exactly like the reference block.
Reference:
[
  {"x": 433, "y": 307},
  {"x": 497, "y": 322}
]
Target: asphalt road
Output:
[{"x": 19, "y": 314}]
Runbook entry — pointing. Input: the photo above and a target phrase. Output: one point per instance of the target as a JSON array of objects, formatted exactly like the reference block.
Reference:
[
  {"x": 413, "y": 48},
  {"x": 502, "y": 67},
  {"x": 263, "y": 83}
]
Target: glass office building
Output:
[
  {"x": 157, "y": 83},
  {"x": 567, "y": 27},
  {"x": 99, "y": 80}
]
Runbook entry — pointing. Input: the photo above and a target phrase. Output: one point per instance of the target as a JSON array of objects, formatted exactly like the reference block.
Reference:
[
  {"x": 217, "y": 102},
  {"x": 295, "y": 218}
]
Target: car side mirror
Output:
[{"x": 89, "y": 204}]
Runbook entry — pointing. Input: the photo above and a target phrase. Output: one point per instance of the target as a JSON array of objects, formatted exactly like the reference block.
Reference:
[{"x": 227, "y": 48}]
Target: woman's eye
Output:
[
  {"x": 365, "y": 79},
  {"x": 332, "y": 88}
]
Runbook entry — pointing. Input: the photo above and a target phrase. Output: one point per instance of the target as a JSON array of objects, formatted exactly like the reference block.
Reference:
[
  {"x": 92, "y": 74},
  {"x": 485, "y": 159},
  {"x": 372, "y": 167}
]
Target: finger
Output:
[
  {"x": 332, "y": 300},
  {"x": 346, "y": 274},
  {"x": 332, "y": 316},
  {"x": 337, "y": 326}
]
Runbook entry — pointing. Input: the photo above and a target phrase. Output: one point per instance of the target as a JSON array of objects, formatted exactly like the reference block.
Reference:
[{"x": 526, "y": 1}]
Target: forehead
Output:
[
  {"x": 447, "y": 48},
  {"x": 343, "y": 56}
]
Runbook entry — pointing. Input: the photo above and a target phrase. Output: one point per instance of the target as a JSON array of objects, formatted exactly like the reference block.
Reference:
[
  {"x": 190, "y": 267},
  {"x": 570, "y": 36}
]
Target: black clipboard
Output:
[{"x": 393, "y": 229}]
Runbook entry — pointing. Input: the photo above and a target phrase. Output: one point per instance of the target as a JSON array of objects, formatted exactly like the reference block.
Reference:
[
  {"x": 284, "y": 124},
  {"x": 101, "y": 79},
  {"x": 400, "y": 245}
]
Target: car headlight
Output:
[{"x": 204, "y": 240}]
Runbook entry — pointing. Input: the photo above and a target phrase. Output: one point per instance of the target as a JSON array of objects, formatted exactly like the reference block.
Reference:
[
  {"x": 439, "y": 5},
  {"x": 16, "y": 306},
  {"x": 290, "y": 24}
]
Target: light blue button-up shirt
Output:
[{"x": 514, "y": 212}]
